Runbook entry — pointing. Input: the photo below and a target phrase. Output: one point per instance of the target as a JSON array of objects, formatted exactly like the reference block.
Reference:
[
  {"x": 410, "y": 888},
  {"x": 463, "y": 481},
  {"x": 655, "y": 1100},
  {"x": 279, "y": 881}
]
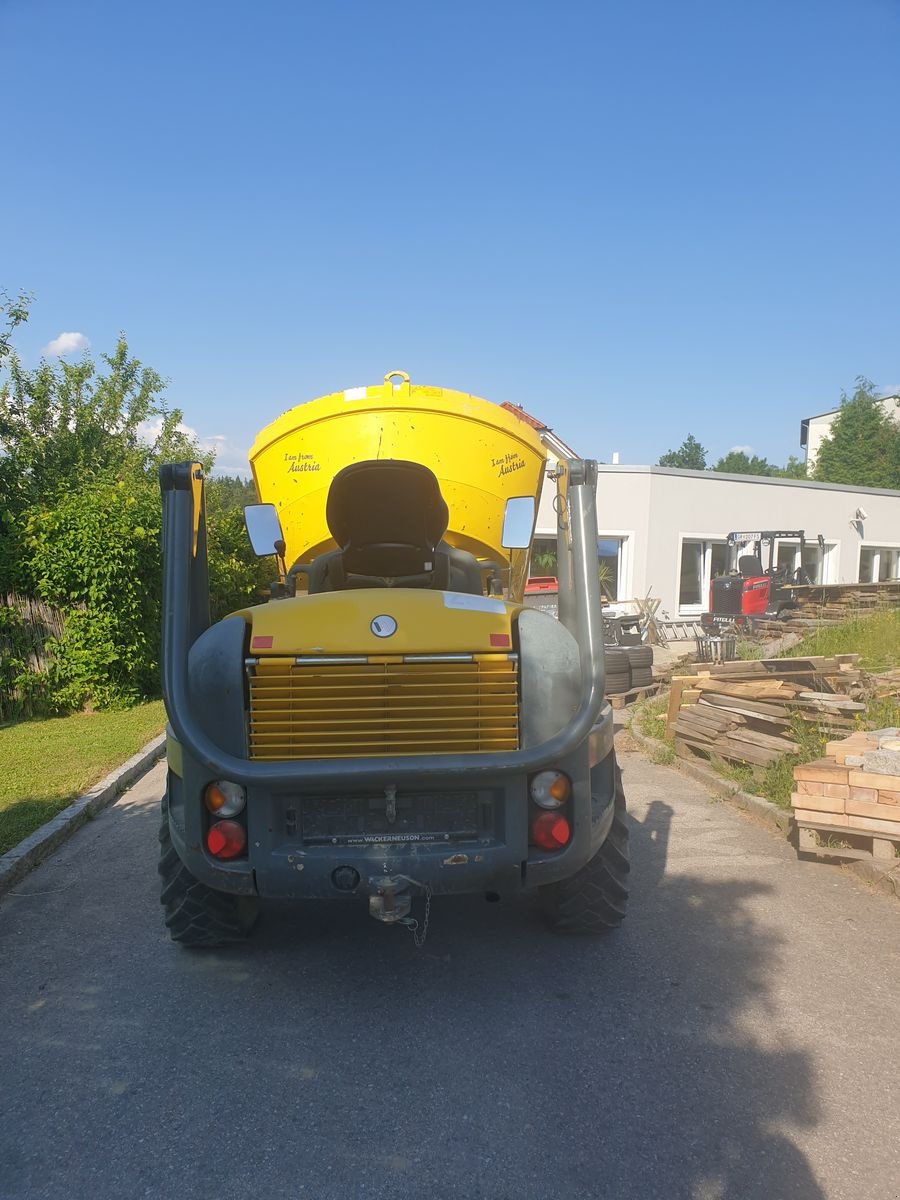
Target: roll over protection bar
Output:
[{"x": 185, "y": 599}]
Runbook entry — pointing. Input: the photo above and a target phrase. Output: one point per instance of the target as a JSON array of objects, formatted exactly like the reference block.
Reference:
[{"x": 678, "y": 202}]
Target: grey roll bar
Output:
[{"x": 185, "y": 593}]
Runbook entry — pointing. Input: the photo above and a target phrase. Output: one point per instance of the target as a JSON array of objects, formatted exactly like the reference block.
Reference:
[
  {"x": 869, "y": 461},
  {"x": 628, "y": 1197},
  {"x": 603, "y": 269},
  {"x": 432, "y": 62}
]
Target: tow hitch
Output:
[{"x": 391, "y": 900}]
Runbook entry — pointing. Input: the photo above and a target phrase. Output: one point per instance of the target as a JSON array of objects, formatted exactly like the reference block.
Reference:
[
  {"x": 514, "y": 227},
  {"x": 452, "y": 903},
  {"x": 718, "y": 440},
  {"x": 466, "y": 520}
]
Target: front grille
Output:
[
  {"x": 302, "y": 709},
  {"x": 726, "y": 594}
]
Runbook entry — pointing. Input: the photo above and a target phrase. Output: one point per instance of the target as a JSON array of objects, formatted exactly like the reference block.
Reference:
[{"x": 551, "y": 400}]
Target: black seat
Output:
[
  {"x": 750, "y": 565},
  {"x": 465, "y": 571},
  {"x": 388, "y": 518}
]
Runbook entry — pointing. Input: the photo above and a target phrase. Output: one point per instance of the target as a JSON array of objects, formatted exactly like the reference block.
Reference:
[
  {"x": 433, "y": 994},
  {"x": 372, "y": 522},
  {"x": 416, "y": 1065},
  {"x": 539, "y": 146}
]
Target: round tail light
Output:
[
  {"x": 223, "y": 798},
  {"x": 550, "y": 789},
  {"x": 226, "y": 839},
  {"x": 550, "y": 831}
]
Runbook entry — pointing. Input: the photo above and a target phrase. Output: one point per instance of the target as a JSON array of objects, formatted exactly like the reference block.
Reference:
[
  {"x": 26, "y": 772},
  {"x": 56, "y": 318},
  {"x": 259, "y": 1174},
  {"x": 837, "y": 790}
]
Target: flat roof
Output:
[{"x": 766, "y": 480}]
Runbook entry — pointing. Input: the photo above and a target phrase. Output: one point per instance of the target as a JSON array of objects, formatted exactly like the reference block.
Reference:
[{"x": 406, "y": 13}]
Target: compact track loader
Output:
[{"x": 393, "y": 723}]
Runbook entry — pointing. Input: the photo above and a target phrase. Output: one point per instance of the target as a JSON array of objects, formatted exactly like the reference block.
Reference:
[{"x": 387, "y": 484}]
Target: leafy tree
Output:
[
  {"x": 226, "y": 492},
  {"x": 80, "y": 517},
  {"x": 863, "y": 449},
  {"x": 737, "y": 462},
  {"x": 15, "y": 313},
  {"x": 794, "y": 468},
  {"x": 690, "y": 456}
]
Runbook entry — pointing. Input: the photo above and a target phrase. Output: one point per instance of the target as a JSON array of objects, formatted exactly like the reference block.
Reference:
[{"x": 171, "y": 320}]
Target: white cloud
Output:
[
  {"x": 231, "y": 458},
  {"x": 149, "y": 431},
  {"x": 66, "y": 343},
  {"x": 740, "y": 450}
]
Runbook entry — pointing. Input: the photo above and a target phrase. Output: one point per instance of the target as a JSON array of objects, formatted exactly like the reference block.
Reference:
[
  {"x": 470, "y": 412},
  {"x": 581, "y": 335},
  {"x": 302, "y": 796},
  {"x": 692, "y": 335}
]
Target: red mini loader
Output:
[{"x": 752, "y": 590}]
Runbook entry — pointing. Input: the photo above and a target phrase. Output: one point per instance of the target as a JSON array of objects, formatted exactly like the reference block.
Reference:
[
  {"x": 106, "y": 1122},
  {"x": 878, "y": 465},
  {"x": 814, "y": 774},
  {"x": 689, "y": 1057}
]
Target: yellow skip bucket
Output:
[{"x": 481, "y": 454}]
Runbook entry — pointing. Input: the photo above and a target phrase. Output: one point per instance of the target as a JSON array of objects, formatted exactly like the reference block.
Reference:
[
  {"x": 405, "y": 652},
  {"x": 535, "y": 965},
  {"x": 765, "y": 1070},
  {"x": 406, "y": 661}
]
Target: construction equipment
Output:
[
  {"x": 752, "y": 590},
  {"x": 394, "y": 722}
]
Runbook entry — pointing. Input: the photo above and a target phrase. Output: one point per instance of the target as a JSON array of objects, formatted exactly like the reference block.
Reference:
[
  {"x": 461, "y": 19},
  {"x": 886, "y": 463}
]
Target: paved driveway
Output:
[{"x": 736, "y": 1039}]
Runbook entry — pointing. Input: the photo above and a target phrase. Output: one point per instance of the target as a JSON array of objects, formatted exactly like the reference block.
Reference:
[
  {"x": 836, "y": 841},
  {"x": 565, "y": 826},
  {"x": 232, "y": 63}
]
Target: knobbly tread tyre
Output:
[
  {"x": 196, "y": 915},
  {"x": 593, "y": 900},
  {"x": 639, "y": 656},
  {"x": 618, "y": 671}
]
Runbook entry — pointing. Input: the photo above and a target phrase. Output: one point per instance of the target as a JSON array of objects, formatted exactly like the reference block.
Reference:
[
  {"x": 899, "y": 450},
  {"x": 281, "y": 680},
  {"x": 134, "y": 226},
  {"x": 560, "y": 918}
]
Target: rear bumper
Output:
[{"x": 473, "y": 838}]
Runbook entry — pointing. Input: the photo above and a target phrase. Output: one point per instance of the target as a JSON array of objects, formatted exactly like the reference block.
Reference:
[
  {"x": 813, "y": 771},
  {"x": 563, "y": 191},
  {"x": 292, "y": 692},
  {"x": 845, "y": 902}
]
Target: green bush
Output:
[
  {"x": 80, "y": 525},
  {"x": 97, "y": 554}
]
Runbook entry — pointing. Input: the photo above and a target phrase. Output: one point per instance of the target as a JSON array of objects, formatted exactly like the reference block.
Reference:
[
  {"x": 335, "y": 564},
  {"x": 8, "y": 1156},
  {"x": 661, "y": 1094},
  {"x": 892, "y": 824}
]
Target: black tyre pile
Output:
[
  {"x": 640, "y": 659},
  {"x": 628, "y": 667},
  {"x": 618, "y": 671}
]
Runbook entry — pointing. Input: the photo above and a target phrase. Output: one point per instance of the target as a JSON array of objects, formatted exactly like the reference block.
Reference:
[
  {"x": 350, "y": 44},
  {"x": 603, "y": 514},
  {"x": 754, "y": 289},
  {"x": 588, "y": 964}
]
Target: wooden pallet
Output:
[
  {"x": 619, "y": 699},
  {"x": 882, "y": 848}
]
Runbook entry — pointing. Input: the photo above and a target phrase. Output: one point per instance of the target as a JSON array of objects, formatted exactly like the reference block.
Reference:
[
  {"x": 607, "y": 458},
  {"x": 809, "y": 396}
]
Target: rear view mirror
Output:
[
  {"x": 264, "y": 529},
  {"x": 518, "y": 522}
]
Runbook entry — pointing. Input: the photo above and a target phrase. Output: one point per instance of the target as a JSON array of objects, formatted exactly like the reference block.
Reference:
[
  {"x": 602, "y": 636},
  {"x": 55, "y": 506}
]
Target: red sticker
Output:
[
  {"x": 261, "y": 643},
  {"x": 500, "y": 639}
]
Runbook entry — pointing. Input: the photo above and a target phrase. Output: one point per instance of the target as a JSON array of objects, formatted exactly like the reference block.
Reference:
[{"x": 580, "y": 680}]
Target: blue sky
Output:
[{"x": 635, "y": 219}]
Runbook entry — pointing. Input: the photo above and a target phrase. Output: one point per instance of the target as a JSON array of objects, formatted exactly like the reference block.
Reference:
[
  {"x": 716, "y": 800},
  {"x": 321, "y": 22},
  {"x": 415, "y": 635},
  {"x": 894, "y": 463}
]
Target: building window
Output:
[
  {"x": 612, "y": 551},
  {"x": 878, "y": 563},
  {"x": 543, "y": 556},
  {"x": 790, "y": 559},
  {"x": 701, "y": 561}
]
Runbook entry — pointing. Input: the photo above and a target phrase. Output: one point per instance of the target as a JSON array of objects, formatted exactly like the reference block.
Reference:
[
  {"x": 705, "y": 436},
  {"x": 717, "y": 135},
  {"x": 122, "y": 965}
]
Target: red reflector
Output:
[
  {"x": 261, "y": 643},
  {"x": 550, "y": 831},
  {"x": 226, "y": 839},
  {"x": 500, "y": 639}
]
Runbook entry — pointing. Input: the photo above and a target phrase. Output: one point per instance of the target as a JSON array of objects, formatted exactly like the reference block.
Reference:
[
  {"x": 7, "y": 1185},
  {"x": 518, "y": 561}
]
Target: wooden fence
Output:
[{"x": 24, "y": 640}]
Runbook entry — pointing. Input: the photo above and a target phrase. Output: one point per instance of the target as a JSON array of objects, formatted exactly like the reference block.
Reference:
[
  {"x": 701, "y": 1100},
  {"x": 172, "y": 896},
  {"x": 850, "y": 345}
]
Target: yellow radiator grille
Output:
[{"x": 311, "y": 710}]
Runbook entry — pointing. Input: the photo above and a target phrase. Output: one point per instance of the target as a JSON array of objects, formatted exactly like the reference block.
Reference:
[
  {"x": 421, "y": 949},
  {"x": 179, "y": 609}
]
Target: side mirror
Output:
[
  {"x": 264, "y": 529},
  {"x": 518, "y": 522}
]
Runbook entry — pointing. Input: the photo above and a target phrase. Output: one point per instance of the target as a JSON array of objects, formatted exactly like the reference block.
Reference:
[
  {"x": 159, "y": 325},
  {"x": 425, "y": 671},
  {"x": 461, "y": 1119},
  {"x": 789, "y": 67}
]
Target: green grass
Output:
[
  {"x": 650, "y": 719},
  {"x": 650, "y": 716},
  {"x": 47, "y": 763},
  {"x": 882, "y": 713},
  {"x": 748, "y": 650},
  {"x": 875, "y": 638}
]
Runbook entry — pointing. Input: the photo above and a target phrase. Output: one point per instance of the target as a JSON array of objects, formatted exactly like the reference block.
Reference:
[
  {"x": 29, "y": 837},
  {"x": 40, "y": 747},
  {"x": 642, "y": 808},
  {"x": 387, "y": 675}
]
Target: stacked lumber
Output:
[
  {"x": 826, "y": 667},
  {"x": 838, "y": 601},
  {"x": 746, "y": 712},
  {"x": 855, "y": 789}
]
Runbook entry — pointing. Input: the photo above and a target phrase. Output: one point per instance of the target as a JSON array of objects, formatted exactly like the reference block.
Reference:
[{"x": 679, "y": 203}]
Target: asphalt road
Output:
[{"x": 736, "y": 1039}]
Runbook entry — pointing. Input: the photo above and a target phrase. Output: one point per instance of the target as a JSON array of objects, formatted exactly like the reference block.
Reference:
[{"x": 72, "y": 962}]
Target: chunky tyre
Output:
[
  {"x": 195, "y": 914},
  {"x": 593, "y": 900}
]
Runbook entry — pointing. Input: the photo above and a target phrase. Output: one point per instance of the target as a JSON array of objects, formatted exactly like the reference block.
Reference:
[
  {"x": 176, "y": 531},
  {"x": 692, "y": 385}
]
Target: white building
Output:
[
  {"x": 813, "y": 430},
  {"x": 663, "y": 532}
]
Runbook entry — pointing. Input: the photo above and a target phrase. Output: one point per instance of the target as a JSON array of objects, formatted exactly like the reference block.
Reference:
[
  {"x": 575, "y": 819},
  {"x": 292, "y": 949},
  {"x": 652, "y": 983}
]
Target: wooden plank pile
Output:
[
  {"x": 838, "y": 601},
  {"x": 853, "y": 792},
  {"x": 745, "y": 712}
]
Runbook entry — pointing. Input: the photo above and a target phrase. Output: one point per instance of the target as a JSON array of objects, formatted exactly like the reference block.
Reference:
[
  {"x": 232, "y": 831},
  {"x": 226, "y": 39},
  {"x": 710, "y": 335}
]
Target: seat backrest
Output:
[
  {"x": 750, "y": 565},
  {"x": 388, "y": 517},
  {"x": 465, "y": 573}
]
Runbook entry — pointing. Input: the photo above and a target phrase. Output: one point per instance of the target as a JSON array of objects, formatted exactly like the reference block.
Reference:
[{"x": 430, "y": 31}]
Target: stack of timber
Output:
[
  {"x": 838, "y": 601},
  {"x": 745, "y": 712},
  {"x": 847, "y": 805}
]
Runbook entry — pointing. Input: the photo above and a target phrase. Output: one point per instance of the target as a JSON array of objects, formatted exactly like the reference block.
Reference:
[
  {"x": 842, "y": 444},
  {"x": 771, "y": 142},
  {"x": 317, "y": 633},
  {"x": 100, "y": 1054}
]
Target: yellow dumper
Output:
[{"x": 393, "y": 723}]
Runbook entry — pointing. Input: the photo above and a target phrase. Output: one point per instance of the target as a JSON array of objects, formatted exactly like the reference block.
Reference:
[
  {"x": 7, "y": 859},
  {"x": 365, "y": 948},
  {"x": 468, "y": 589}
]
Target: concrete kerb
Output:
[
  {"x": 763, "y": 809},
  {"x": 32, "y": 850},
  {"x": 886, "y": 881}
]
